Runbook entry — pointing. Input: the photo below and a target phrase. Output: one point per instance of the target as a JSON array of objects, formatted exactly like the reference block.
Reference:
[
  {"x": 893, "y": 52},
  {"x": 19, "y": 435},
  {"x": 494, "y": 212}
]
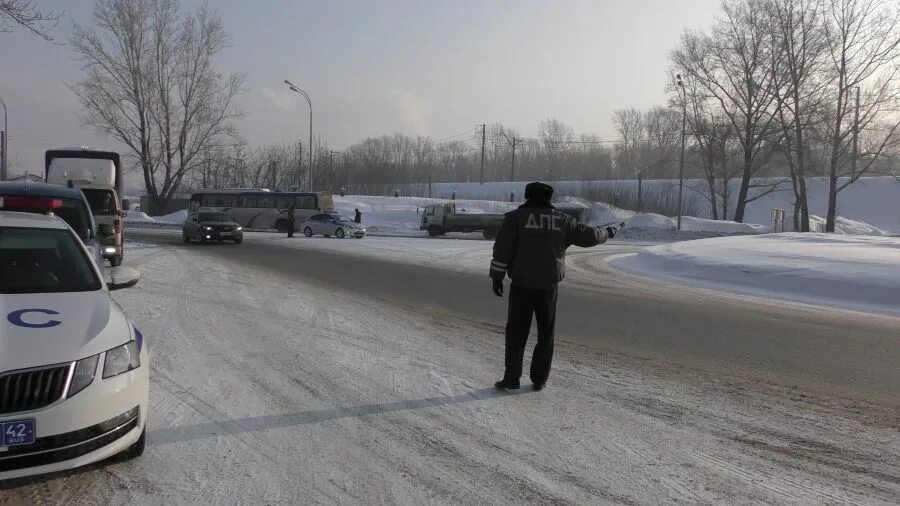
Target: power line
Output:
[{"x": 467, "y": 132}]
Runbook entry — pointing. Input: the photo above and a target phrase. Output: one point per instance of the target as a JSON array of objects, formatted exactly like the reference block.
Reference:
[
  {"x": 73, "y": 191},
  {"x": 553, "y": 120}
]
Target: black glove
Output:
[
  {"x": 498, "y": 287},
  {"x": 611, "y": 232}
]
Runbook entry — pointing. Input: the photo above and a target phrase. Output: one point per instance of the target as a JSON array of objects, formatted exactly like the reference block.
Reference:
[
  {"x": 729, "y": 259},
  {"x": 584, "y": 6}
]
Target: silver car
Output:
[{"x": 332, "y": 225}]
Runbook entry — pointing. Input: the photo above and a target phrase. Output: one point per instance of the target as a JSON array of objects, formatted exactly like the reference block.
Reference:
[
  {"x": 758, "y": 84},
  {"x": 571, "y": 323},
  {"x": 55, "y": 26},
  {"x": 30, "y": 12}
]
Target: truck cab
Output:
[{"x": 99, "y": 176}]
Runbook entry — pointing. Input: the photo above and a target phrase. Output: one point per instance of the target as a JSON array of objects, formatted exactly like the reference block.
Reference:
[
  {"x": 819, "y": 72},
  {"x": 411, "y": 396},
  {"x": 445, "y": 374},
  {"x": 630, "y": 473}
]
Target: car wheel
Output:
[
  {"x": 185, "y": 237},
  {"x": 238, "y": 241},
  {"x": 339, "y": 233},
  {"x": 136, "y": 450},
  {"x": 115, "y": 261},
  {"x": 307, "y": 232}
]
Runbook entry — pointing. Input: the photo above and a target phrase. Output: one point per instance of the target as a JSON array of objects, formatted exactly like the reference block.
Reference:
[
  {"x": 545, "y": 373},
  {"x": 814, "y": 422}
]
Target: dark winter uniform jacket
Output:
[{"x": 531, "y": 245}]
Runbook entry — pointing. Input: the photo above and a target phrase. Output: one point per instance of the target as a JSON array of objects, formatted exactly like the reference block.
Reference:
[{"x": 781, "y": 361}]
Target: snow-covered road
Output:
[{"x": 276, "y": 389}]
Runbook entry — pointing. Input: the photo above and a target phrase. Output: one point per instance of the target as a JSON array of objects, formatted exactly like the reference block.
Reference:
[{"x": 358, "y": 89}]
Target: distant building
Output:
[{"x": 28, "y": 177}]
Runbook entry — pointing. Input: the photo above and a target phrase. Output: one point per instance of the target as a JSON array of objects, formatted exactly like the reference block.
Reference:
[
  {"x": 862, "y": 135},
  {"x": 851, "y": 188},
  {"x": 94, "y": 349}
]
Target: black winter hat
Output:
[{"x": 538, "y": 191}]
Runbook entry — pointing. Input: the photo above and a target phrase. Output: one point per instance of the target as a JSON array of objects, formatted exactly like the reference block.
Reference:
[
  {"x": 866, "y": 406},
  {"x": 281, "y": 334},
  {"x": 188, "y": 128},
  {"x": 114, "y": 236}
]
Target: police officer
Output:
[
  {"x": 290, "y": 218},
  {"x": 531, "y": 249}
]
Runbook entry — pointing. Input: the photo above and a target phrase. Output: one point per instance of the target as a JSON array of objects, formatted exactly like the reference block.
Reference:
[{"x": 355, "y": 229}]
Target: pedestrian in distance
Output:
[
  {"x": 531, "y": 249},
  {"x": 290, "y": 219},
  {"x": 357, "y": 218}
]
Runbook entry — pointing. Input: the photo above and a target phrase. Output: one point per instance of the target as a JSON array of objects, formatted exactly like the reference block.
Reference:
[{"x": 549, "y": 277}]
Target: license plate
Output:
[
  {"x": 17, "y": 433},
  {"x": 223, "y": 234}
]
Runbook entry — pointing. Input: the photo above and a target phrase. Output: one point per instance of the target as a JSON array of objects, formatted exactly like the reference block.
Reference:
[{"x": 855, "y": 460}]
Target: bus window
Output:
[
  {"x": 248, "y": 201},
  {"x": 306, "y": 202},
  {"x": 283, "y": 202},
  {"x": 265, "y": 201}
]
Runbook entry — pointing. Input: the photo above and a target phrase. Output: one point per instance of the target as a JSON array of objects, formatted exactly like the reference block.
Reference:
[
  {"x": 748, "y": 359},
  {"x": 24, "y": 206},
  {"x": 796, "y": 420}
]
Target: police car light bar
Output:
[{"x": 29, "y": 203}]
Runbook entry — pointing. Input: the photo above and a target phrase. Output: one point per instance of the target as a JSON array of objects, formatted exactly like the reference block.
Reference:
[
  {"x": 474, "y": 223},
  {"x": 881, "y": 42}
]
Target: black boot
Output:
[
  {"x": 507, "y": 385},
  {"x": 538, "y": 386}
]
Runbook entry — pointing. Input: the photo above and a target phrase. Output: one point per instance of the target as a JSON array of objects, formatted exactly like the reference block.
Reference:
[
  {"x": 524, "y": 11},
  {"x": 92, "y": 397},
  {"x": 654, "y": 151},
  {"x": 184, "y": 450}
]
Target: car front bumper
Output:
[
  {"x": 215, "y": 235},
  {"x": 96, "y": 423}
]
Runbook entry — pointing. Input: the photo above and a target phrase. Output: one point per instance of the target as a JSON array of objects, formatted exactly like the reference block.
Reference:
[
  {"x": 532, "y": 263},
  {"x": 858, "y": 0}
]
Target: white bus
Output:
[{"x": 263, "y": 209}]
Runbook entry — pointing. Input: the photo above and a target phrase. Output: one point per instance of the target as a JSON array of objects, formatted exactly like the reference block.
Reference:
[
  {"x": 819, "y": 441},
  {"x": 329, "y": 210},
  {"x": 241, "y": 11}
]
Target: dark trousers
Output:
[
  {"x": 523, "y": 302},
  {"x": 290, "y": 228}
]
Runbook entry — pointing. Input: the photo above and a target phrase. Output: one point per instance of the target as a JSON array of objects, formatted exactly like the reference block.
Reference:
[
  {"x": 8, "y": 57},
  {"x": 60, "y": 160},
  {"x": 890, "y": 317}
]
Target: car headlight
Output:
[
  {"x": 85, "y": 370},
  {"x": 207, "y": 227},
  {"x": 239, "y": 229},
  {"x": 121, "y": 360}
]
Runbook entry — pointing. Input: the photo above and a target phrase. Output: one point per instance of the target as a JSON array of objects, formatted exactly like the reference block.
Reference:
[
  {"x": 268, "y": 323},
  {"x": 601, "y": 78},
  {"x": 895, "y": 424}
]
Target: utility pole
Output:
[
  {"x": 855, "y": 136},
  {"x": 299, "y": 165},
  {"x": 331, "y": 166},
  {"x": 483, "y": 139},
  {"x": 681, "y": 161},
  {"x": 206, "y": 171},
  {"x": 305, "y": 95},
  {"x": 512, "y": 169},
  {"x": 4, "y": 143}
]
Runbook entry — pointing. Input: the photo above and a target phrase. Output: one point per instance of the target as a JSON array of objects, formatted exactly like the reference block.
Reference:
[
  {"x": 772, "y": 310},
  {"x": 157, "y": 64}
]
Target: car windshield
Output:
[
  {"x": 102, "y": 202},
  {"x": 217, "y": 217},
  {"x": 342, "y": 218},
  {"x": 34, "y": 260},
  {"x": 72, "y": 211}
]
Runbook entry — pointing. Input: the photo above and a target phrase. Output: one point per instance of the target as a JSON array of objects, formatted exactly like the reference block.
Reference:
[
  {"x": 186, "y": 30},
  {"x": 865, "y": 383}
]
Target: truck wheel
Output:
[
  {"x": 115, "y": 261},
  {"x": 434, "y": 231},
  {"x": 489, "y": 233},
  {"x": 281, "y": 226}
]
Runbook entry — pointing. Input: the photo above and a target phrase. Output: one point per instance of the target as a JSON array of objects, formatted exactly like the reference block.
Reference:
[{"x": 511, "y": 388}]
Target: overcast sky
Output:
[{"x": 428, "y": 67}]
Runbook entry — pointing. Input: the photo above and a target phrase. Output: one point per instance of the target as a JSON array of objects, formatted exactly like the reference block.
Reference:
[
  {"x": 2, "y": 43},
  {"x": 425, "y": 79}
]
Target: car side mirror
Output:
[
  {"x": 126, "y": 204},
  {"x": 105, "y": 229},
  {"x": 123, "y": 277}
]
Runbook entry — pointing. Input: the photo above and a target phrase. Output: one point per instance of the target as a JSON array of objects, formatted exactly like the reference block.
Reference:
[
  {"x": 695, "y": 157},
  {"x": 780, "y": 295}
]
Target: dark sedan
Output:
[{"x": 210, "y": 226}]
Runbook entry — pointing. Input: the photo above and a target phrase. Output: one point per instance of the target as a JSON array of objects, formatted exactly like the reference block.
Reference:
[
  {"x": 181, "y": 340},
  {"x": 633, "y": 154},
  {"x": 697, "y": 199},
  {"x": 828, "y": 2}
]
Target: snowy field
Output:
[
  {"x": 854, "y": 272},
  {"x": 267, "y": 389}
]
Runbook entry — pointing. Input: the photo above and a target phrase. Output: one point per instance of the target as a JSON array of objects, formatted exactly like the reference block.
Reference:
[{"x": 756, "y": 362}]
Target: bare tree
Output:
[
  {"x": 557, "y": 138},
  {"x": 151, "y": 83},
  {"x": 863, "y": 45},
  {"x": 26, "y": 14},
  {"x": 713, "y": 137},
  {"x": 734, "y": 66},
  {"x": 663, "y": 142},
  {"x": 630, "y": 126},
  {"x": 798, "y": 46}
]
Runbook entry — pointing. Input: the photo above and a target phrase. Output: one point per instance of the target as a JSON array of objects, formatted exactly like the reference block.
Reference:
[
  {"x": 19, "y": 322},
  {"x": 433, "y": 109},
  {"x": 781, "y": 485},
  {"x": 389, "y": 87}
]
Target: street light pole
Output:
[
  {"x": 5, "y": 144},
  {"x": 309, "y": 148},
  {"x": 681, "y": 161}
]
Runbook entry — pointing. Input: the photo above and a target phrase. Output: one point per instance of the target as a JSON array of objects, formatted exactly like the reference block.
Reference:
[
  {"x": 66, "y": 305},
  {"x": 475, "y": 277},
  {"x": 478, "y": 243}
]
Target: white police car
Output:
[{"x": 74, "y": 382}]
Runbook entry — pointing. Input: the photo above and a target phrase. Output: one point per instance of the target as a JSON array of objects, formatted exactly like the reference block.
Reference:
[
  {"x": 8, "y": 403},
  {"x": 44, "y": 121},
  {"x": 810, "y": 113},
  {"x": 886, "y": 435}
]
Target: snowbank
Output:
[
  {"x": 141, "y": 219},
  {"x": 138, "y": 217},
  {"x": 402, "y": 215},
  {"x": 855, "y": 272}
]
